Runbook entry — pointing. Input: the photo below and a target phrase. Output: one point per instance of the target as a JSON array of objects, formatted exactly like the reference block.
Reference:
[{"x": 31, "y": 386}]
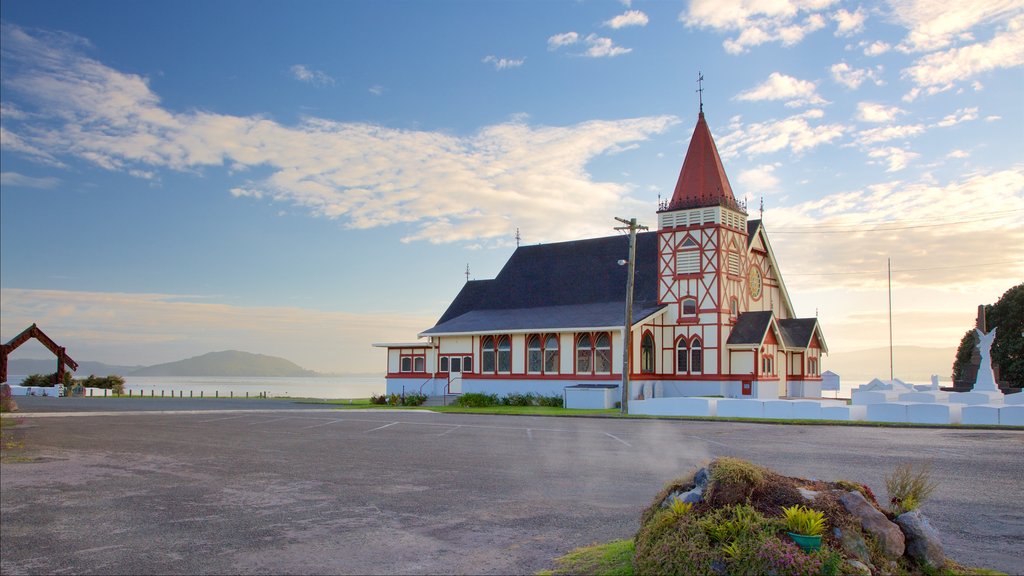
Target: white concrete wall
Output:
[
  {"x": 522, "y": 386},
  {"x": 591, "y": 398},
  {"x": 675, "y": 407}
]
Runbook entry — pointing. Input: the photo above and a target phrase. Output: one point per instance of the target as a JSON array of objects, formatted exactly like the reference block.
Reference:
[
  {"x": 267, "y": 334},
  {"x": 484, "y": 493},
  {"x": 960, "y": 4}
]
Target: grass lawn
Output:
[{"x": 612, "y": 559}]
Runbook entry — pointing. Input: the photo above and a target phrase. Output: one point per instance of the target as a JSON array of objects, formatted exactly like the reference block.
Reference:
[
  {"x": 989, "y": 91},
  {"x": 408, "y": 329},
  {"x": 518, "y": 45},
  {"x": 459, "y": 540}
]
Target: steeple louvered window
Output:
[{"x": 688, "y": 258}]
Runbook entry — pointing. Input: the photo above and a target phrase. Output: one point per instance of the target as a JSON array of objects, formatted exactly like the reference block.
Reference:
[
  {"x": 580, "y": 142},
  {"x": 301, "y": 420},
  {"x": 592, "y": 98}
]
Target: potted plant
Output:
[{"x": 805, "y": 526}]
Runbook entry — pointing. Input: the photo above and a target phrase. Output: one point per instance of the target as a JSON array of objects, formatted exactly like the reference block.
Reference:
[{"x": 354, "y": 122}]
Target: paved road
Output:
[{"x": 310, "y": 491}]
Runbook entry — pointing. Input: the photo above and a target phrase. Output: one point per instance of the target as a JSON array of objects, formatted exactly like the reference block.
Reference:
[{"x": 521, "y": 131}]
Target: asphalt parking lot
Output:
[{"x": 304, "y": 490}]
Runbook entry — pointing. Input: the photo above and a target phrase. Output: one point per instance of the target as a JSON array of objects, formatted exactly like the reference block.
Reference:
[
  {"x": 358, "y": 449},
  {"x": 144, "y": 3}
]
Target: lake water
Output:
[{"x": 282, "y": 387}]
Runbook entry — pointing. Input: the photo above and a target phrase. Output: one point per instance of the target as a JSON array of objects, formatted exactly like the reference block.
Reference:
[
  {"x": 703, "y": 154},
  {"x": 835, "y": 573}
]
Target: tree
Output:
[{"x": 1007, "y": 317}]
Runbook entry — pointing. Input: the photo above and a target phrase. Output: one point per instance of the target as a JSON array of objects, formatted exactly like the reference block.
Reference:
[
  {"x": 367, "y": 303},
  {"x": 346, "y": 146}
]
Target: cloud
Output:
[
  {"x": 936, "y": 24},
  {"x": 565, "y": 39},
  {"x": 896, "y": 159},
  {"x": 872, "y": 112},
  {"x": 760, "y": 179},
  {"x": 439, "y": 186},
  {"x": 876, "y": 48},
  {"x": 796, "y": 133},
  {"x": 315, "y": 77},
  {"x": 849, "y": 23},
  {"x": 504, "y": 63},
  {"x": 122, "y": 328},
  {"x": 598, "y": 47},
  {"x": 843, "y": 73},
  {"x": 887, "y": 133},
  {"x": 628, "y": 18},
  {"x": 16, "y": 180},
  {"x": 940, "y": 71},
  {"x": 756, "y": 23},
  {"x": 778, "y": 86},
  {"x": 377, "y": 90},
  {"x": 937, "y": 235}
]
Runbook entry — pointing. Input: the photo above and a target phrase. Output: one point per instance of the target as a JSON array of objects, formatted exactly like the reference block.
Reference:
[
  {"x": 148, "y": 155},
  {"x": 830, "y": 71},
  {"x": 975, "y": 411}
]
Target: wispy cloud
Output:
[
  {"x": 796, "y": 133},
  {"x": 755, "y": 23},
  {"x": 937, "y": 24},
  {"x": 362, "y": 174},
  {"x": 627, "y": 18},
  {"x": 598, "y": 47},
  {"x": 793, "y": 91},
  {"x": 940, "y": 71},
  {"x": 564, "y": 39},
  {"x": 849, "y": 23},
  {"x": 315, "y": 77},
  {"x": 843, "y": 73},
  {"x": 874, "y": 112},
  {"x": 504, "y": 63},
  {"x": 16, "y": 180}
]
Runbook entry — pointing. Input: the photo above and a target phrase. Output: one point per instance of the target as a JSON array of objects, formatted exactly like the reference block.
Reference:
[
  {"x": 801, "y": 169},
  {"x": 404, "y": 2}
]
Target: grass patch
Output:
[
  {"x": 12, "y": 446},
  {"x": 612, "y": 559}
]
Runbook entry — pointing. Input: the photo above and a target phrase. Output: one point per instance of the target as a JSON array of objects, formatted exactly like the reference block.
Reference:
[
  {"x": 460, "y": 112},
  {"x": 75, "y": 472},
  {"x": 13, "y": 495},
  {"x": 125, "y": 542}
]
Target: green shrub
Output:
[
  {"x": 778, "y": 556},
  {"x": 803, "y": 520},
  {"x": 733, "y": 480},
  {"x": 414, "y": 399},
  {"x": 382, "y": 399},
  {"x": 671, "y": 544},
  {"x": 113, "y": 383},
  {"x": 554, "y": 401},
  {"x": 476, "y": 400},
  {"x": 518, "y": 400},
  {"x": 680, "y": 508},
  {"x": 908, "y": 487}
]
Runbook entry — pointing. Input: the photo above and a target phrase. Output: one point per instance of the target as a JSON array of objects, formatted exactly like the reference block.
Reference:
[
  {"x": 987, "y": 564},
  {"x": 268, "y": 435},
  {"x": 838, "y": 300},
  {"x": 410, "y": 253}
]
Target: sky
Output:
[{"x": 304, "y": 179}]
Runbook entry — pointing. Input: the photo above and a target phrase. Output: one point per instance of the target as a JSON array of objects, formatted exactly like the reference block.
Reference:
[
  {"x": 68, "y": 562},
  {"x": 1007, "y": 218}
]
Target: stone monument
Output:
[{"x": 986, "y": 380}]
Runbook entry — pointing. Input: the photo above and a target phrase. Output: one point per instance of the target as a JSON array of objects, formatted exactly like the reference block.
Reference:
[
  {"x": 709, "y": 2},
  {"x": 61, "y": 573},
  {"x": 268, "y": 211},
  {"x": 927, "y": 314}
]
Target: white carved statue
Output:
[{"x": 986, "y": 381}]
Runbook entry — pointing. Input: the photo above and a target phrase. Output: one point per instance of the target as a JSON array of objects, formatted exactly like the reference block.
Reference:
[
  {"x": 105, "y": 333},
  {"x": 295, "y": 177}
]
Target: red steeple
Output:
[{"x": 702, "y": 180}]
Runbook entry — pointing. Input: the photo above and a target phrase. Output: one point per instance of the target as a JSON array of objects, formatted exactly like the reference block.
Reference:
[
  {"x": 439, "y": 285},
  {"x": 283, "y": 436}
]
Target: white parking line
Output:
[
  {"x": 382, "y": 427},
  {"x": 450, "y": 430},
  {"x": 619, "y": 439},
  {"x": 225, "y": 418},
  {"x": 322, "y": 424},
  {"x": 269, "y": 421}
]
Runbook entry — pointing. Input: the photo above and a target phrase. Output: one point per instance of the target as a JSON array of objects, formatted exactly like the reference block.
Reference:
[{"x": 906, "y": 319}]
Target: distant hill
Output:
[
  {"x": 26, "y": 366},
  {"x": 914, "y": 364},
  {"x": 226, "y": 363}
]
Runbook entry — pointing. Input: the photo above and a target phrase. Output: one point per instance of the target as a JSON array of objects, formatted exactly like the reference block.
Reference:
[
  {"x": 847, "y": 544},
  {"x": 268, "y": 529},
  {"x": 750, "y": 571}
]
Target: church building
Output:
[{"x": 711, "y": 314}]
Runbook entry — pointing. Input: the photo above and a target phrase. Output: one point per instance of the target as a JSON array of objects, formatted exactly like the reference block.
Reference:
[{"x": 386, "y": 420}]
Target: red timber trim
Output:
[{"x": 610, "y": 376}]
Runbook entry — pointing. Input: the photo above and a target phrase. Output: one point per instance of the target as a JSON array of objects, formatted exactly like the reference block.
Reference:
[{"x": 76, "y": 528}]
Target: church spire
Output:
[{"x": 702, "y": 181}]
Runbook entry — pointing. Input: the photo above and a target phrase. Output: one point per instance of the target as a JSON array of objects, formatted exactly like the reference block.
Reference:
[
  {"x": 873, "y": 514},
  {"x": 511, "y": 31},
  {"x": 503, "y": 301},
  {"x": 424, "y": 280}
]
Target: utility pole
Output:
[
  {"x": 888, "y": 265},
  {"x": 627, "y": 328}
]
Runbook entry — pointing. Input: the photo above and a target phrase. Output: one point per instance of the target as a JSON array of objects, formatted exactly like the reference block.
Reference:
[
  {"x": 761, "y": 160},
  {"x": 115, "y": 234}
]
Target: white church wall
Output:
[
  {"x": 504, "y": 387},
  {"x": 456, "y": 345},
  {"x": 518, "y": 342}
]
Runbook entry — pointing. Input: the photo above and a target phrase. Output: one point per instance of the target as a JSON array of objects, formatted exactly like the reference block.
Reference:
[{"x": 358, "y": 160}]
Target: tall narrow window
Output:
[
  {"x": 534, "y": 355},
  {"x": 456, "y": 364},
  {"x": 602, "y": 354},
  {"x": 487, "y": 355},
  {"x": 419, "y": 364},
  {"x": 551, "y": 354},
  {"x": 696, "y": 357},
  {"x": 584, "y": 355},
  {"x": 734, "y": 308},
  {"x": 504, "y": 355},
  {"x": 647, "y": 354},
  {"x": 682, "y": 357},
  {"x": 442, "y": 364}
]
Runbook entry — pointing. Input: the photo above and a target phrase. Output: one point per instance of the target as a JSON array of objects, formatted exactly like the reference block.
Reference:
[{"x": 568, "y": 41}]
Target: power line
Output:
[{"x": 869, "y": 272}]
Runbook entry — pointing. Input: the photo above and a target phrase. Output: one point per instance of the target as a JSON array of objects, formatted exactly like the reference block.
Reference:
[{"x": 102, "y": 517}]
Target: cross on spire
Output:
[{"x": 700, "y": 90}]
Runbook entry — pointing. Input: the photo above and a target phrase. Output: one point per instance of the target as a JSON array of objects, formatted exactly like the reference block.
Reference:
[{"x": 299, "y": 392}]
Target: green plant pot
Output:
[{"x": 805, "y": 542}]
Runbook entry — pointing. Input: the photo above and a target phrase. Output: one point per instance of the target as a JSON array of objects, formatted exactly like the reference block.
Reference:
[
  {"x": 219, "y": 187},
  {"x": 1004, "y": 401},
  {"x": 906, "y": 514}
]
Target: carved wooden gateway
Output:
[{"x": 33, "y": 331}]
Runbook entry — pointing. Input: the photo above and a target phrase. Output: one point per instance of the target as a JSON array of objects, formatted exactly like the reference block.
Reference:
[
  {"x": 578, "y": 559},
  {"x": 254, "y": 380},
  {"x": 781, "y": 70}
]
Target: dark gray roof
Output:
[
  {"x": 797, "y": 332},
  {"x": 563, "y": 285},
  {"x": 752, "y": 226},
  {"x": 750, "y": 327}
]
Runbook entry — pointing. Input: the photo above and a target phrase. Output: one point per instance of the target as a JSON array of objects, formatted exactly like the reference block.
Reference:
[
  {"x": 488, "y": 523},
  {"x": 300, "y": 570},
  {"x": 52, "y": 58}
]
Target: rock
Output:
[
  {"x": 692, "y": 496},
  {"x": 859, "y": 567},
  {"x": 922, "y": 540},
  {"x": 701, "y": 478},
  {"x": 888, "y": 535},
  {"x": 853, "y": 545},
  {"x": 809, "y": 495}
]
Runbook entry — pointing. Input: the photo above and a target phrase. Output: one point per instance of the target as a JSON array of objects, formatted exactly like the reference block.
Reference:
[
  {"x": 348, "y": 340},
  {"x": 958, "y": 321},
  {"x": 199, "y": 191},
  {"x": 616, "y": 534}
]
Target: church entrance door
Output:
[{"x": 455, "y": 376}]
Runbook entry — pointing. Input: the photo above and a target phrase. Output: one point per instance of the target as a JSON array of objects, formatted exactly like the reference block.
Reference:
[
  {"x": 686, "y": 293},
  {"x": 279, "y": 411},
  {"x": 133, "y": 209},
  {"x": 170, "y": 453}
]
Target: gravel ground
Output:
[{"x": 307, "y": 491}]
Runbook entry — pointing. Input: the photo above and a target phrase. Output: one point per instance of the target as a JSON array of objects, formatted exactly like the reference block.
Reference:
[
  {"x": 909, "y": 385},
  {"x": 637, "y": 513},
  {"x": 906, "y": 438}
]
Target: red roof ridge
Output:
[{"x": 702, "y": 180}]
